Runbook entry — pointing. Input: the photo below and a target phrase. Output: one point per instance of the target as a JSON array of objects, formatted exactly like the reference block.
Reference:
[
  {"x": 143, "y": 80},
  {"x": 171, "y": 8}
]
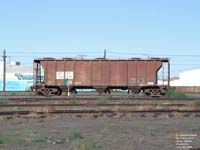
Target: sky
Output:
[{"x": 125, "y": 28}]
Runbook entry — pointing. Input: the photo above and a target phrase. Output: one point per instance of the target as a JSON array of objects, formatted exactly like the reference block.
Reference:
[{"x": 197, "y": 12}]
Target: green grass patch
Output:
[
  {"x": 19, "y": 108},
  {"x": 6, "y": 139},
  {"x": 32, "y": 137},
  {"x": 13, "y": 94},
  {"x": 171, "y": 93},
  {"x": 4, "y": 100},
  {"x": 72, "y": 134},
  {"x": 30, "y": 94},
  {"x": 102, "y": 100},
  {"x": 72, "y": 101},
  {"x": 86, "y": 145},
  {"x": 27, "y": 135}
]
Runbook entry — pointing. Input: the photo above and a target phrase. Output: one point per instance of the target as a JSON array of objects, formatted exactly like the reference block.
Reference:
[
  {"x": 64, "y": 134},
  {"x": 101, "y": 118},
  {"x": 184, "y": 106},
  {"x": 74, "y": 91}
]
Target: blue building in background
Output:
[{"x": 18, "y": 78}]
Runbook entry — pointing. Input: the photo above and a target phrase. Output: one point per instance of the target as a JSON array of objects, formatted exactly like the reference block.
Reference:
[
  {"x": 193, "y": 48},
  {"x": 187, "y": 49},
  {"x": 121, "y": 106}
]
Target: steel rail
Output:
[
  {"x": 92, "y": 98},
  {"x": 92, "y": 104},
  {"x": 98, "y": 111}
]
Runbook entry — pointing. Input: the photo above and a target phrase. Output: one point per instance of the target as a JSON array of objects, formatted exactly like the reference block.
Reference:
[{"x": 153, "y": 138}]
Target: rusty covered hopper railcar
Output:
[{"x": 54, "y": 76}]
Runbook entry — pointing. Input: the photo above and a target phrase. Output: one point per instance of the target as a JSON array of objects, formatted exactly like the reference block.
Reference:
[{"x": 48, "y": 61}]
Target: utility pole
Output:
[
  {"x": 4, "y": 70},
  {"x": 104, "y": 54}
]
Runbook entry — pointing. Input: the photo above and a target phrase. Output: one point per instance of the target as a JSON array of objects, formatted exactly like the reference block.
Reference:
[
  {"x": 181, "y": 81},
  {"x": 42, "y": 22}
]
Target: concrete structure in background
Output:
[
  {"x": 18, "y": 78},
  {"x": 187, "y": 78}
]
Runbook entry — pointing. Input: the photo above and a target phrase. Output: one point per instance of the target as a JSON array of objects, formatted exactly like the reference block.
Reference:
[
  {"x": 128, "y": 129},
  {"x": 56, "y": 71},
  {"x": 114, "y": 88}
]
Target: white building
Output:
[{"x": 187, "y": 78}]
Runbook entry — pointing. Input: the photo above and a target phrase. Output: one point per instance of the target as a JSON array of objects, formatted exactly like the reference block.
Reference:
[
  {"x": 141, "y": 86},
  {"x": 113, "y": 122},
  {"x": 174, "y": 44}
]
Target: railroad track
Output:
[
  {"x": 96, "y": 105},
  {"x": 91, "y": 97},
  {"x": 94, "y": 100},
  {"x": 89, "y": 108},
  {"x": 100, "y": 113}
]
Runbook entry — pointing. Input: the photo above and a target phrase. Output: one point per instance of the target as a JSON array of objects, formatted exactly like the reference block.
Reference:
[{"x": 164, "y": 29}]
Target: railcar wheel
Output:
[
  {"x": 107, "y": 91},
  {"x": 49, "y": 91},
  {"x": 59, "y": 92},
  {"x": 40, "y": 91},
  {"x": 74, "y": 91},
  {"x": 153, "y": 92}
]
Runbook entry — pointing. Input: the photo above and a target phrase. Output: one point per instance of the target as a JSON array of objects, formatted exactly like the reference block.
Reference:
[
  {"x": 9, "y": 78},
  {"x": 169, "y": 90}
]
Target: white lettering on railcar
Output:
[
  {"x": 59, "y": 75},
  {"x": 150, "y": 83},
  {"x": 69, "y": 75}
]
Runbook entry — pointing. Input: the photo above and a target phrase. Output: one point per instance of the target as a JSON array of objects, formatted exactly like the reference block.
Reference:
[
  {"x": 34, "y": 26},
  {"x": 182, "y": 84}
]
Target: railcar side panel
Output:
[
  {"x": 102, "y": 75},
  {"x": 69, "y": 71},
  {"x": 82, "y": 73},
  {"x": 118, "y": 73},
  {"x": 152, "y": 67},
  {"x": 60, "y": 65},
  {"x": 101, "y": 72},
  {"x": 141, "y": 73},
  {"x": 132, "y": 73},
  {"x": 105, "y": 72},
  {"x": 96, "y": 73},
  {"x": 49, "y": 72}
]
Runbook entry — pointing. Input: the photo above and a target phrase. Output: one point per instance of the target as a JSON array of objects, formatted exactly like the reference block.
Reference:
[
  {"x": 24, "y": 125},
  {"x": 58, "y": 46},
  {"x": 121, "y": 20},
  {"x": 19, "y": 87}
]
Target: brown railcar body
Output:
[{"x": 100, "y": 74}]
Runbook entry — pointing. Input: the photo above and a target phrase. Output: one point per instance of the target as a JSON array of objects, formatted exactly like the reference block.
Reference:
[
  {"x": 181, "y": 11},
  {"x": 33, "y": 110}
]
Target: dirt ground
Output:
[{"x": 136, "y": 133}]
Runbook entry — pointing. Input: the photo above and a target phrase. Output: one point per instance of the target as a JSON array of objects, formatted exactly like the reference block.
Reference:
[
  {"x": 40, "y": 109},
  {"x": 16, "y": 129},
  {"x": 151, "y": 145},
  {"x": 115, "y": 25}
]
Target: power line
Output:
[{"x": 100, "y": 53}]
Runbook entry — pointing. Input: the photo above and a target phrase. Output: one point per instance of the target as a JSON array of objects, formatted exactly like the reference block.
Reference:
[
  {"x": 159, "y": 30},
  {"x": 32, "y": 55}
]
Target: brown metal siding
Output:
[
  {"x": 141, "y": 72},
  {"x": 102, "y": 72},
  {"x": 132, "y": 73},
  {"x": 51, "y": 76},
  {"x": 118, "y": 73},
  {"x": 105, "y": 73},
  {"x": 96, "y": 73},
  {"x": 151, "y": 72},
  {"x": 82, "y": 73}
]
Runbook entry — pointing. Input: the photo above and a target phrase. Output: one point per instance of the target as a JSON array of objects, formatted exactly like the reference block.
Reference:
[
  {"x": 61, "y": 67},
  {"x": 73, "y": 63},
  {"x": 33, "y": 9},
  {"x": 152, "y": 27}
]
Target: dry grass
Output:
[
  {"x": 172, "y": 136},
  {"x": 33, "y": 115},
  {"x": 177, "y": 114},
  {"x": 16, "y": 116},
  {"x": 86, "y": 145},
  {"x": 116, "y": 108},
  {"x": 46, "y": 109},
  {"x": 146, "y": 107},
  {"x": 1, "y": 118}
]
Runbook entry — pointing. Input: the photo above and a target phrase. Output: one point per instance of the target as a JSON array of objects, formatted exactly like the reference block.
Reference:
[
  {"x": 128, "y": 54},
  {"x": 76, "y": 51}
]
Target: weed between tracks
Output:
[
  {"x": 13, "y": 94},
  {"x": 72, "y": 101},
  {"x": 4, "y": 101},
  {"x": 102, "y": 100},
  {"x": 171, "y": 93}
]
